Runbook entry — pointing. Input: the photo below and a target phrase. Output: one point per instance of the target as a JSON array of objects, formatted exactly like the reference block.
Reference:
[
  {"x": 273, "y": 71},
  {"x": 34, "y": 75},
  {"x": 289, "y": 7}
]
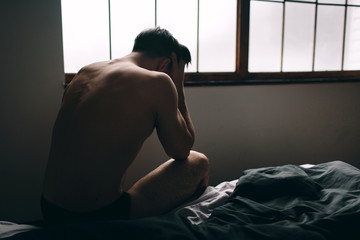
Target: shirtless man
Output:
[{"x": 107, "y": 112}]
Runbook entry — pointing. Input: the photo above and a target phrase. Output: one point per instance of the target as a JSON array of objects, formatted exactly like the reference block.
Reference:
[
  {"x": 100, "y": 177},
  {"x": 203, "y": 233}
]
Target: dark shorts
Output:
[{"x": 120, "y": 209}]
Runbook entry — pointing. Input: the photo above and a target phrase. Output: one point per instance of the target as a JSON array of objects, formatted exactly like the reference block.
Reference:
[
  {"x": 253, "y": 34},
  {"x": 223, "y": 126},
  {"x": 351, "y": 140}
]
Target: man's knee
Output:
[
  {"x": 200, "y": 158},
  {"x": 201, "y": 163}
]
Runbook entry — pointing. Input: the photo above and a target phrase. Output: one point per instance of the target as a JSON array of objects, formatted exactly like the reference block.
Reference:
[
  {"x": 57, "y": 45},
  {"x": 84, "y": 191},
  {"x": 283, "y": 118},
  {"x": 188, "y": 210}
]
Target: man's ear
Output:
[{"x": 164, "y": 65}]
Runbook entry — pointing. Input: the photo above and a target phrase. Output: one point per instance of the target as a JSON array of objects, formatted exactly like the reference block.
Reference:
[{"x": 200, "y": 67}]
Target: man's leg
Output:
[{"x": 169, "y": 185}]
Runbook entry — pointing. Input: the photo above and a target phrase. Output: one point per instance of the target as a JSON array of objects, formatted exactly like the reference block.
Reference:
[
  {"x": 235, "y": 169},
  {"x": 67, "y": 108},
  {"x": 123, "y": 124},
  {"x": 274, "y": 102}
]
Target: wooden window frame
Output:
[{"x": 243, "y": 76}]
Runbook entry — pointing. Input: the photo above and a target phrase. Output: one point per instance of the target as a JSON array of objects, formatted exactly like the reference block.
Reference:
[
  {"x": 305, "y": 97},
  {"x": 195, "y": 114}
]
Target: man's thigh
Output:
[{"x": 169, "y": 185}]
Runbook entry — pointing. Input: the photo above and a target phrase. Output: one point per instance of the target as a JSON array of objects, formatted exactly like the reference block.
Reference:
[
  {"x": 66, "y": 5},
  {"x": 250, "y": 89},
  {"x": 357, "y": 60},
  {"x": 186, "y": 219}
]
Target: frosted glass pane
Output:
[
  {"x": 85, "y": 32},
  {"x": 170, "y": 15},
  {"x": 329, "y": 38},
  {"x": 265, "y": 36},
  {"x": 352, "y": 41},
  {"x": 217, "y": 35},
  {"x": 332, "y": 1},
  {"x": 128, "y": 19},
  {"x": 299, "y": 36},
  {"x": 354, "y": 2}
]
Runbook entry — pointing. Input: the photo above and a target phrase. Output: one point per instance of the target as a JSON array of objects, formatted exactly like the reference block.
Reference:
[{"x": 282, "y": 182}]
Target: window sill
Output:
[{"x": 223, "y": 79}]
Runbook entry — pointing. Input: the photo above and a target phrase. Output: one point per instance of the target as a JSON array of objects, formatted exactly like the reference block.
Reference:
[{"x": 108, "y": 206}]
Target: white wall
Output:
[{"x": 238, "y": 127}]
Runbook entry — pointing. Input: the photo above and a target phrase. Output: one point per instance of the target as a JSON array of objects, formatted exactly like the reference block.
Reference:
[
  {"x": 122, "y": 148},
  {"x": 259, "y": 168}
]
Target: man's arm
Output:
[
  {"x": 174, "y": 126},
  {"x": 177, "y": 75}
]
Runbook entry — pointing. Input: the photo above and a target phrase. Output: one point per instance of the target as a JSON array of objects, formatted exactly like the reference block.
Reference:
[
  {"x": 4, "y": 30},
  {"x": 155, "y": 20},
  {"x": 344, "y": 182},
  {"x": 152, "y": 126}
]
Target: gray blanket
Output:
[{"x": 284, "y": 202}]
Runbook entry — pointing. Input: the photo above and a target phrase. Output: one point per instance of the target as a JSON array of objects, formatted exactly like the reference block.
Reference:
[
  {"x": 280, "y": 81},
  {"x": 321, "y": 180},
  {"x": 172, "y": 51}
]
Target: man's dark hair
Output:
[{"x": 158, "y": 42}]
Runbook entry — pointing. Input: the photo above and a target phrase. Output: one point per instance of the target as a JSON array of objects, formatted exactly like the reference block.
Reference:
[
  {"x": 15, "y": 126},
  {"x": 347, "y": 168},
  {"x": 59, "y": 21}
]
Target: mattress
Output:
[{"x": 313, "y": 202}]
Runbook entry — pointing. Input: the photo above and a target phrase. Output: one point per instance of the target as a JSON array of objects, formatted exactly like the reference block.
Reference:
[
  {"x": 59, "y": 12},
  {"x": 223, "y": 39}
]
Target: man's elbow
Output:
[
  {"x": 180, "y": 150},
  {"x": 180, "y": 154}
]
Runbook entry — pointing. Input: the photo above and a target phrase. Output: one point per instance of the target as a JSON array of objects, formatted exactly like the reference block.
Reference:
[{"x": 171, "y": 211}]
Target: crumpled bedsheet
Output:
[
  {"x": 200, "y": 209},
  {"x": 273, "y": 203},
  {"x": 291, "y": 202}
]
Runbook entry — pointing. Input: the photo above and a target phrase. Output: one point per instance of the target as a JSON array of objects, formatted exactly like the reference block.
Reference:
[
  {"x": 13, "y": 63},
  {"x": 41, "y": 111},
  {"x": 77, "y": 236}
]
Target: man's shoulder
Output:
[
  {"x": 161, "y": 78},
  {"x": 162, "y": 82},
  {"x": 134, "y": 72}
]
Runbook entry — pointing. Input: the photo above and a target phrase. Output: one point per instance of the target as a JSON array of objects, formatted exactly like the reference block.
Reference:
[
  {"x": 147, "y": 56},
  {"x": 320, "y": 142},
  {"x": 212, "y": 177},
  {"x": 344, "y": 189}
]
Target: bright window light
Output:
[
  {"x": 352, "y": 40},
  {"x": 125, "y": 25},
  {"x": 296, "y": 36},
  {"x": 265, "y": 36},
  {"x": 217, "y": 30},
  {"x": 329, "y": 38},
  {"x": 85, "y": 32},
  {"x": 97, "y": 30}
]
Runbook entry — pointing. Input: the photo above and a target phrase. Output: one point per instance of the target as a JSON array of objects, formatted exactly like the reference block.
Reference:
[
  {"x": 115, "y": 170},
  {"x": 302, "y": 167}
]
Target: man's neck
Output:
[{"x": 143, "y": 61}]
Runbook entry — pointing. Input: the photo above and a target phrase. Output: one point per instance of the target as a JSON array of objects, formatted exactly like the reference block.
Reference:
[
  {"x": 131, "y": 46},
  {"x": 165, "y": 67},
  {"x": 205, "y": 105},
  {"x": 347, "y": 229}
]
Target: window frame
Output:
[{"x": 243, "y": 76}]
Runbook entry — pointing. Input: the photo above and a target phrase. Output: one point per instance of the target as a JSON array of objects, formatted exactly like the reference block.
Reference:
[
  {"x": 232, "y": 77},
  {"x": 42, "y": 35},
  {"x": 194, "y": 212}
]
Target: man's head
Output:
[{"x": 157, "y": 42}]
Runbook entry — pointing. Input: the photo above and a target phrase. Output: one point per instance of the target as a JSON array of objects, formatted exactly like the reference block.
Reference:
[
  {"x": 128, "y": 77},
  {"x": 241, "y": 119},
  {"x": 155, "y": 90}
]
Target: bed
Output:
[{"x": 307, "y": 202}]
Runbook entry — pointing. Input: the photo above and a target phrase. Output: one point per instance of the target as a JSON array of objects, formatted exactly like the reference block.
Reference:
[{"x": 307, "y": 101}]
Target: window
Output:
[
  {"x": 96, "y": 30},
  {"x": 294, "y": 36},
  {"x": 231, "y": 41}
]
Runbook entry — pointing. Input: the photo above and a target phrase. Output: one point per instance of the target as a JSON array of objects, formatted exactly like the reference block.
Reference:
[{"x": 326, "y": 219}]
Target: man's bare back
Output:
[{"x": 108, "y": 111}]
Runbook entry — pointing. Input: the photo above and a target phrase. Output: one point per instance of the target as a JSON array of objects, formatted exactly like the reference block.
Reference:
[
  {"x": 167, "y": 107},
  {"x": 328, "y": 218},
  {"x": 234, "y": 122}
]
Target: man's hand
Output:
[
  {"x": 174, "y": 126},
  {"x": 177, "y": 71}
]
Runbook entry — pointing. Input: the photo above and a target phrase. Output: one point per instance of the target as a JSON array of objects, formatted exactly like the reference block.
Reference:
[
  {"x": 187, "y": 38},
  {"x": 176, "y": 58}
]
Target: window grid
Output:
[
  {"x": 156, "y": 13},
  {"x": 156, "y": 24},
  {"x": 344, "y": 37},
  {"x": 316, "y": 2},
  {"x": 109, "y": 13},
  {"x": 282, "y": 39},
  {"x": 110, "y": 45},
  {"x": 241, "y": 74},
  {"x": 315, "y": 35},
  {"x": 197, "y": 36}
]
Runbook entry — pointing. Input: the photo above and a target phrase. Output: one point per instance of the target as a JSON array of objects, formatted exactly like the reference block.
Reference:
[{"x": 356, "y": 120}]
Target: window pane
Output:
[
  {"x": 170, "y": 15},
  {"x": 352, "y": 41},
  {"x": 217, "y": 35},
  {"x": 332, "y": 1},
  {"x": 300, "y": 0},
  {"x": 126, "y": 23},
  {"x": 265, "y": 36},
  {"x": 298, "y": 36},
  {"x": 354, "y": 2},
  {"x": 85, "y": 32},
  {"x": 329, "y": 38}
]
